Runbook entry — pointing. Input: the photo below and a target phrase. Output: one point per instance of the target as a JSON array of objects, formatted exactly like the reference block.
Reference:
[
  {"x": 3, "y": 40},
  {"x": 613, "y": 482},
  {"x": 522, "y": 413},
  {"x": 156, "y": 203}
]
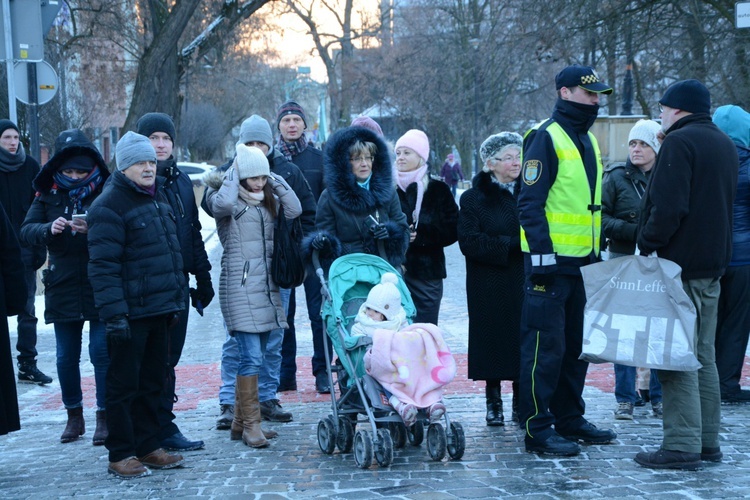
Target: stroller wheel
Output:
[
  {"x": 384, "y": 448},
  {"x": 398, "y": 434},
  {"x": 345, "y": 437},
  {"x": 436, "y": 442},
  {"x": 456, "y": 441},
  {"x": 415, "y": 433},
  {"x": 363, "y": 449},
  {"x": 326, "y": 435}
]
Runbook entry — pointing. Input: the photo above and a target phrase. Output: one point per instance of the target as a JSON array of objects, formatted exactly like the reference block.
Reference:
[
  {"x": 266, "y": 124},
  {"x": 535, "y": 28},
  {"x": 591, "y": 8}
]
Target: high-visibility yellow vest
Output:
[{"x": 574, "y": 222}]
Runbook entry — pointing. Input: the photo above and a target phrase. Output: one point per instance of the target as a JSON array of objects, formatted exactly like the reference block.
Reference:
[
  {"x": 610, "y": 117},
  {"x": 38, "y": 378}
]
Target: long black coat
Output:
[
  {"x": 489, "y": 237},
  {"x": 68, "y": 295},
  {"x": 425, "y": 258},
  {"x": 12, "y": 301}
]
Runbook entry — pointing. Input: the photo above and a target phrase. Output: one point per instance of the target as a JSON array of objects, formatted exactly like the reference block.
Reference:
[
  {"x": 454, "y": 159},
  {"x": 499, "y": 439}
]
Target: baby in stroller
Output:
[{"x": 411, "y": 362}]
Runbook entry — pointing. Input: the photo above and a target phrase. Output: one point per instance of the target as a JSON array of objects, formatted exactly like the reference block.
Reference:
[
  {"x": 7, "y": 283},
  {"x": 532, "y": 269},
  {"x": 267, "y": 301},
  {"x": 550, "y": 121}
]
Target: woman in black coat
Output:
[
  {"x": 432, "y": 214},
  {"x": 66, "y": 186},
  {"x": 489, "y": 237}
]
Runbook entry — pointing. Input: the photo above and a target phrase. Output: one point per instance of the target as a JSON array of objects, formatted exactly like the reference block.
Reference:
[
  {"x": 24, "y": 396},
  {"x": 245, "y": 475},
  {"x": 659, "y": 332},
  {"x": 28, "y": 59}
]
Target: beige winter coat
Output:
[{"x": 250, "y": 300}]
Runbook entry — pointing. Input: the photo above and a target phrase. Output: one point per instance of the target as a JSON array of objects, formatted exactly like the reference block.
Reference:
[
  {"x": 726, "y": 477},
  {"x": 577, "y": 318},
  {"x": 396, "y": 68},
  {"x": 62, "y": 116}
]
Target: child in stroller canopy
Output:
[{"x": 411, "y": 362}]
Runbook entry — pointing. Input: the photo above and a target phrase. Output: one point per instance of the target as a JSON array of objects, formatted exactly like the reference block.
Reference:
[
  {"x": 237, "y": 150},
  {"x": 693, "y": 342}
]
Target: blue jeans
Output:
[
  {"x": 268, "y": 377},
  {"x": 625, "y": 385},
  {"x": 68, "y": 336},
  {"x": 252, "y": 348}
]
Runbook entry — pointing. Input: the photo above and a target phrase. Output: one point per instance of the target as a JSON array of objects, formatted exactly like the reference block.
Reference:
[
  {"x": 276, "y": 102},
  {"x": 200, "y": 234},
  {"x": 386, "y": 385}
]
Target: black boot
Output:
[
  {"x": 514, "y": 413},
  {"x": 75, "y": 427},
  {"x": 494, "y": 407},
  {"x": 101, "y": 433}
]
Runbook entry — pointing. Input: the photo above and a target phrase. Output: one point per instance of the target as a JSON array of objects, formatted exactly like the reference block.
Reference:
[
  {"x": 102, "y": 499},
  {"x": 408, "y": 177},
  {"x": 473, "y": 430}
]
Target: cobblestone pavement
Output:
[{"x": 34, "y": 464}]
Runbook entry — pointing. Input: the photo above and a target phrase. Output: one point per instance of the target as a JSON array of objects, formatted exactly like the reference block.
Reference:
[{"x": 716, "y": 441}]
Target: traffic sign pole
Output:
[
  {"x": 12, "y": 113},
  {"x": 33, "y": 113}
]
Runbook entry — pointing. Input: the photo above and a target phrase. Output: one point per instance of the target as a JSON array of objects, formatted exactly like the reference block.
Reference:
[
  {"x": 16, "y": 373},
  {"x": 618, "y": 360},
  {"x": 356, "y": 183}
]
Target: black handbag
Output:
[{"x": 287, "y": 266}]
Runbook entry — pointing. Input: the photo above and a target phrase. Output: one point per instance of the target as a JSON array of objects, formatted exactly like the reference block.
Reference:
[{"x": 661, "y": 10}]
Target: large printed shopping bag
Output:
[{"x": 637, "y": 314}]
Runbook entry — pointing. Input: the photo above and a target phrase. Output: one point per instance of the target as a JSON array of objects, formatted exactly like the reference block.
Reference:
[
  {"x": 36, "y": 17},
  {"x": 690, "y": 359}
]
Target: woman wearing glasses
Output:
[
  {"x": 432, "y": 214},
  {"x": 359, "y": 210},
  {"x": 489, "y": 237}
]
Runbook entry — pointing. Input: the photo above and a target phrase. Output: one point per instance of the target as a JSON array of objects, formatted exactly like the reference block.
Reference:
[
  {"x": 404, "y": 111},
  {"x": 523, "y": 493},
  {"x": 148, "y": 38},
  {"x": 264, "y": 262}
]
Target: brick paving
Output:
[{"x": 34, "y": 464}]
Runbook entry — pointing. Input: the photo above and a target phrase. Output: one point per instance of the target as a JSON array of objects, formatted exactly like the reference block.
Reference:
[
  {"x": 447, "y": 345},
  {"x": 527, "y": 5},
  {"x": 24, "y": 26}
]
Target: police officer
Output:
[{"x": 560, "y": 214}]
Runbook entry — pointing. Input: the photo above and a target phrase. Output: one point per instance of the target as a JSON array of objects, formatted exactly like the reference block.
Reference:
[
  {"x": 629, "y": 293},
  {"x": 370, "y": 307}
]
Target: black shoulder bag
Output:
[{"x": 287, "y": 266}]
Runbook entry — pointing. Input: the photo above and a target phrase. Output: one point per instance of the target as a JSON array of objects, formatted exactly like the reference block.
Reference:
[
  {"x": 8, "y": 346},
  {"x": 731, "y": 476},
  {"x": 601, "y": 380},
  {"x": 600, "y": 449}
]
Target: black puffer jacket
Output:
[
  {"x": 438, "y": 216},
  {"x": 310, "y": 162},
  {"x": 346, "y": 211},
  {"x": 67, "y": 292},
  {"x": 136, "y": 264},
  {"x": 179, "y": 192},
  {"x": 622, "y": 189}
]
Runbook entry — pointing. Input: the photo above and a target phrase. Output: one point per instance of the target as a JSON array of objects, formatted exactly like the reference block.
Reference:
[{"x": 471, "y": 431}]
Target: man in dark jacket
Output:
[
  {"x": 178, "y": 188},
  {"x": 17, "y": 172},
  {"x": 135, "y": 269},
  {"x": 686, "y": 217},
  {"x": 256, "y": 132},
  {"x": 291, "y": 123}
]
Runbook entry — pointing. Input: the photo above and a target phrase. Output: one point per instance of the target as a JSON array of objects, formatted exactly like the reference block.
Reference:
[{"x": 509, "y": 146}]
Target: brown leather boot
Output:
[
  {"x": 235, "y": 432},
  {"x": 252, "y": 434},
  {"x": 101, "y": 432},
  {"x": 128, "y": 468},
  {"x": 75, "y": 427}
]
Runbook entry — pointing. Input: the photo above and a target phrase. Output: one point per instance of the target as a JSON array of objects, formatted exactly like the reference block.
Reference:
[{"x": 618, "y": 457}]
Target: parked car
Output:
[{"x": 195, "y": 171}]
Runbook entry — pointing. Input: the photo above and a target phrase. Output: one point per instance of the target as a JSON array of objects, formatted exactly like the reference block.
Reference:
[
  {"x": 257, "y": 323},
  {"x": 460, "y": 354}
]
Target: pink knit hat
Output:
[
  {"x": 416, "y": 140},
  {"x": 368, "y": 123}
]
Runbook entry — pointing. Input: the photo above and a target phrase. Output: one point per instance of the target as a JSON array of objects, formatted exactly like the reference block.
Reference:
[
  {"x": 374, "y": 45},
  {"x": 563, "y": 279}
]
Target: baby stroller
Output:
[{"x": 362, "y": 400}]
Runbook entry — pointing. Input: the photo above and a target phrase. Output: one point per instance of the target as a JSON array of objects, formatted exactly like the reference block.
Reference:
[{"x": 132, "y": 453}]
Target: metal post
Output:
[
  {"x": 33, "y": 112},
  {"x": 627, "y": 86},
  {"x": 475, "y": 129},
  {"x": 12, "y": 113}
]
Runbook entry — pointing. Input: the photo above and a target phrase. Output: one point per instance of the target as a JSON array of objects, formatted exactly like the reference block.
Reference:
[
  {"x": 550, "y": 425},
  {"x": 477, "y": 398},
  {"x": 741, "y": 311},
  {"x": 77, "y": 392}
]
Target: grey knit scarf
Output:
[{"x": 10, "y": 162}]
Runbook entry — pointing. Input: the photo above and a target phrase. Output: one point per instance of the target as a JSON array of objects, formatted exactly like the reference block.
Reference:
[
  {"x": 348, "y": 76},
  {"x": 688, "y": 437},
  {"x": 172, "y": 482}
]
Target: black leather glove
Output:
[
  {"x": 379, "y": 231},
  {"x": 540, "y": 279},
  {"x": 203, "y": 294},
  {"x": 117, "y": 329},
  {"x": 320, "y": 242}
]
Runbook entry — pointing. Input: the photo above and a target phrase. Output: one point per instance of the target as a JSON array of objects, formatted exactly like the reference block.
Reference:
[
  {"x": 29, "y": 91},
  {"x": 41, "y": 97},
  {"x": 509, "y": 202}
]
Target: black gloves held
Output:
[
  {"x": 320, "y": 242},
  {"x": 203, "y": 294},
  {"x": 379, "y": 231},
  {"x": 117, "y": 329}
]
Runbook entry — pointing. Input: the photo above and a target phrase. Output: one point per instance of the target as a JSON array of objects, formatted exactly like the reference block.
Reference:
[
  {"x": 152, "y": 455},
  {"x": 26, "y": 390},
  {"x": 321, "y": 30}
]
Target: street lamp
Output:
[{"x": 474, "y": 42}]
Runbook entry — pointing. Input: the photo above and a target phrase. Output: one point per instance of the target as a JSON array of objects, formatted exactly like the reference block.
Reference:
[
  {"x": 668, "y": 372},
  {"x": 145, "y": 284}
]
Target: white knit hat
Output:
[
  {"x": 251, "y": 162},
  {"x": 385, "y": 297},
  {"x": 646, "y": 130}
]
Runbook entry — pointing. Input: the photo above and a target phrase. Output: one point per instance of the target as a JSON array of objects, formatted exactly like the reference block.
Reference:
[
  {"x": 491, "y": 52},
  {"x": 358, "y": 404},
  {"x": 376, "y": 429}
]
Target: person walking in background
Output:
[
  {"x": 178, "y": 189},
  {"x": 488, "y": 235},
  {"x": 135, "y": 270},
  {"x": 733, "y": 321},
  {"x": 451, "y": 173},
  {"x": 66, "y": 187},
  {"x": 432, "y": 215},
  {"x": 560, "y": 214},
  {"x": 12, "y": 302},
  {"x": 686, "y": 217},
  {"x": 622, "y": 191},
  {"x": 17, "y": 173},
  {"x": 291, "y": 123},
  {"x": 245, "y": 201}
]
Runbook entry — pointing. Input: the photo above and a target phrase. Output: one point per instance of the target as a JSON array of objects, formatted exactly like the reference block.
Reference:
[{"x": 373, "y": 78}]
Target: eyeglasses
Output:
[
  {"x": 508, "y": 158},
  {"x": 661, "y": 108},
  {"x": 360, "y": 159}
]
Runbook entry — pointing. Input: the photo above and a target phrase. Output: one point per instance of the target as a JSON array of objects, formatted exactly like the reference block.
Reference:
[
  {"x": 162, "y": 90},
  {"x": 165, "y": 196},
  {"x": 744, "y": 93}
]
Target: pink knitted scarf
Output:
[{"x": 403, "y": 179}]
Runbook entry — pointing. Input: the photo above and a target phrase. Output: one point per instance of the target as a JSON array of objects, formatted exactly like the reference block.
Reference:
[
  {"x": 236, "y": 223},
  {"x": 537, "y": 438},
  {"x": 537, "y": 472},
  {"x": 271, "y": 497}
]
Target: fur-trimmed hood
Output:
[
  {"x": 340, "y": 181},
  {"x": 214, "y": 178},
  {"x": 68, "y": 144}
]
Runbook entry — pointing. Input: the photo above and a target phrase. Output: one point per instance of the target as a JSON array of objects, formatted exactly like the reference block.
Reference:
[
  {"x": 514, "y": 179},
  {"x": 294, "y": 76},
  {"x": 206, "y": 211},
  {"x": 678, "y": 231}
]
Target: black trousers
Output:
[
  {"x": 426, "y": 295},
  {"x": 175, "y": 343},
  {"x": 552, "y": 376},
  {"x": 26, "y": 343},
  {"x": 135, "y": 381},
  {"x": 733, "y": 327}
]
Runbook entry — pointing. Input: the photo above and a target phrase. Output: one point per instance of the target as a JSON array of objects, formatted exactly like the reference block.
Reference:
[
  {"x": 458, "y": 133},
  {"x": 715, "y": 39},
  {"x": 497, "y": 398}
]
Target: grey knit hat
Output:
[
  {"x": 496, "y": 143},
  {"x": 133, "y": 148},
  {"x": 251, "y": 162},
  {"x": 256, "y": 129}
]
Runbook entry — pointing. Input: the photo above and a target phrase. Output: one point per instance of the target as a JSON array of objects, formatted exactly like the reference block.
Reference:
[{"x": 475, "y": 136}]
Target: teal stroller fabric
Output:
[{"x": 350, "y": 279}]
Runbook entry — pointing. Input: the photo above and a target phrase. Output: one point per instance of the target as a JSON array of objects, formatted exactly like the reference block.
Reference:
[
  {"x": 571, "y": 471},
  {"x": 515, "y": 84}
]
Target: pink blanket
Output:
[{"x": 414, "y": 363}]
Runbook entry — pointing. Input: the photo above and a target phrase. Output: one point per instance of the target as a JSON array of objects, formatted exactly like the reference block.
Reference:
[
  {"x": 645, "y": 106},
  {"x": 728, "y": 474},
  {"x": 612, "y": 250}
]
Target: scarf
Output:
[
  {"x": 252, "y": 199},
  {"x": 403, "y": 179},
  {"x": 365, "y": 184},
  {"x": 10, "y": 162},
  {"x": 78, "y": 189},
  {"x": 290, "y": 149},
  {"x": 508, "y": 186}
]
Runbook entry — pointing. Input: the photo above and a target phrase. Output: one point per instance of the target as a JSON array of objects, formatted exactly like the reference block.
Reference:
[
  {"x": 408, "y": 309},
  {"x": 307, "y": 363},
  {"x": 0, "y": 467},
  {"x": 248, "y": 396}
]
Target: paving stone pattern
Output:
[{"x": 34, "y": 464}]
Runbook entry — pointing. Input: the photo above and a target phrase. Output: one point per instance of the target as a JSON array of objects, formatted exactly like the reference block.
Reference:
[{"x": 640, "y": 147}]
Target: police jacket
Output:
[
  {"x": 135, "y": 265},
  {"x": 539, "y": 177},
  {"x": 178, "y": 189},
  {"x": 686, "y": 215},
  {"x": 622, "y": 190}
]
